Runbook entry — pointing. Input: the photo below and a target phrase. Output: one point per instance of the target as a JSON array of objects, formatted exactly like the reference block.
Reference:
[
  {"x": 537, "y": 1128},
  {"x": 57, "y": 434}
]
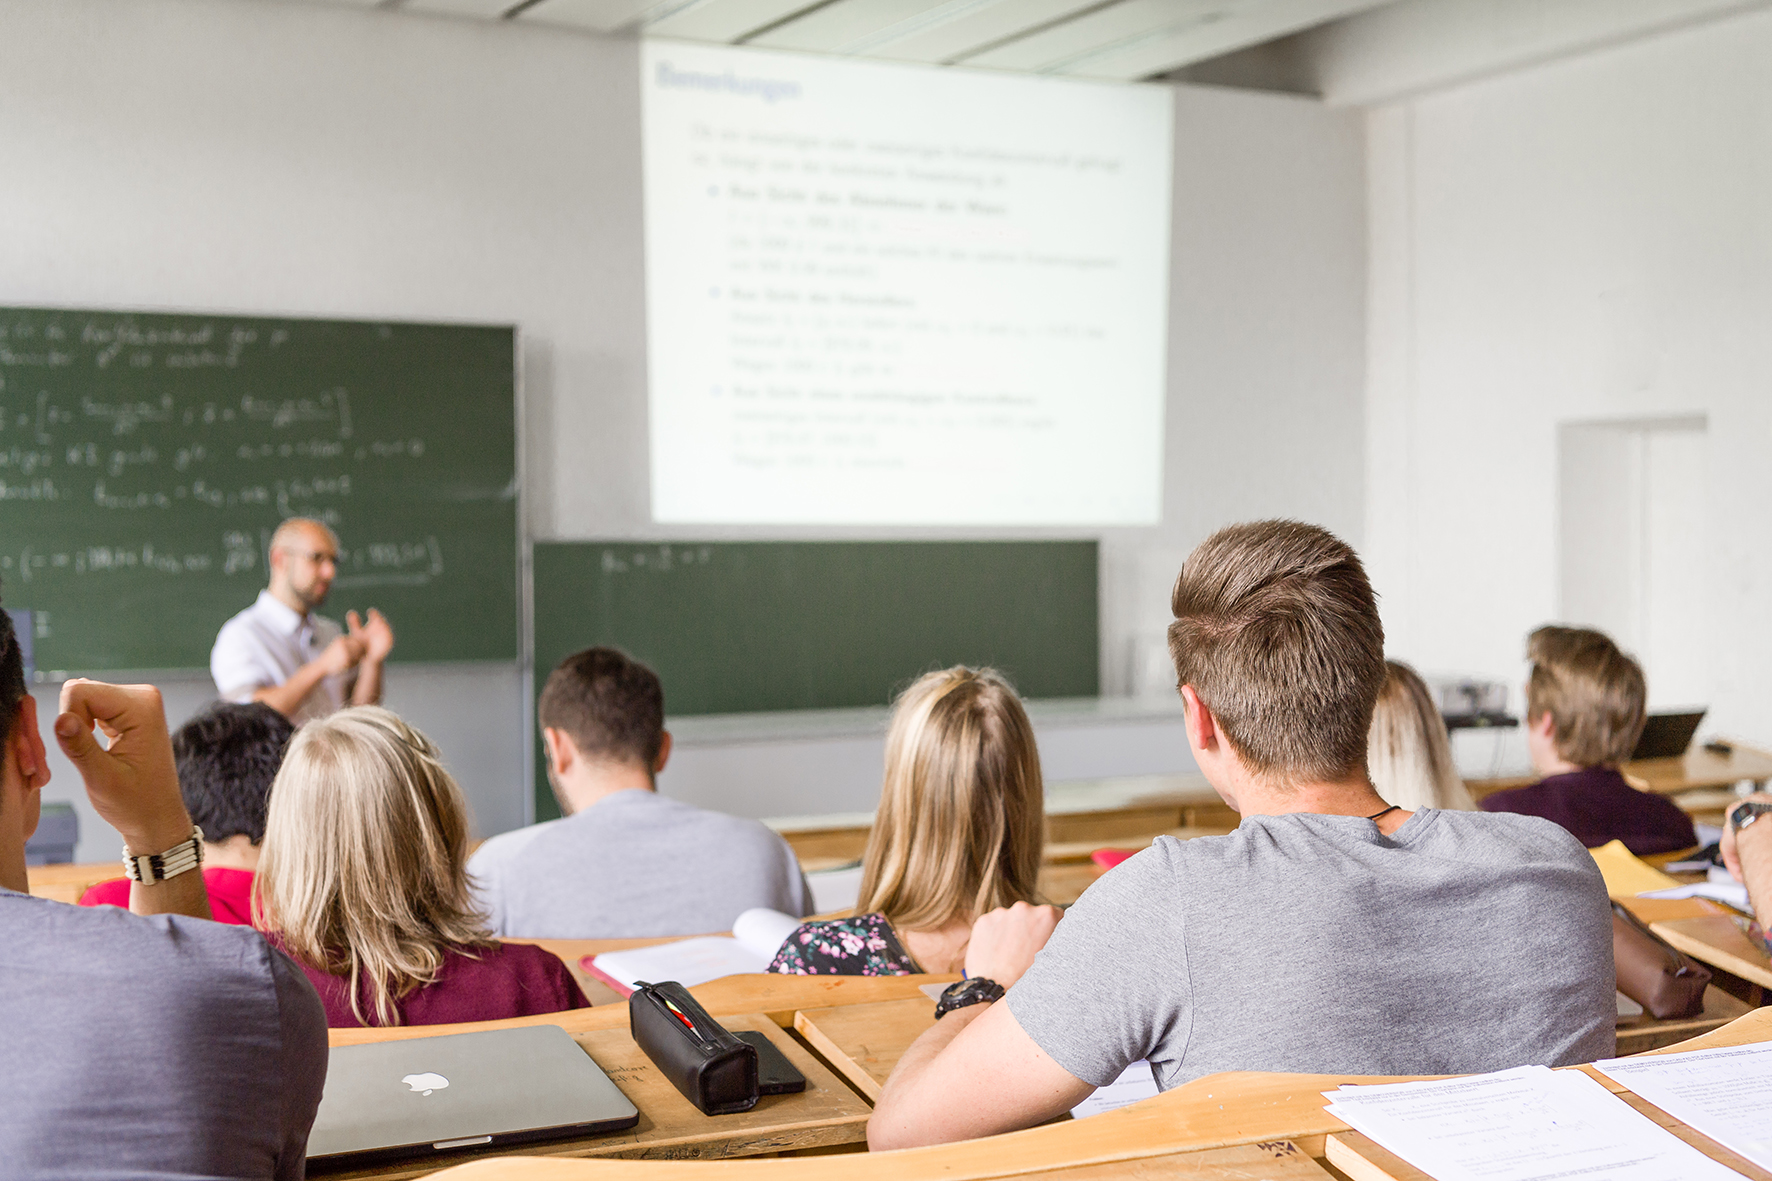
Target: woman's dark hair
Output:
[{"x": 227, "y": 756}]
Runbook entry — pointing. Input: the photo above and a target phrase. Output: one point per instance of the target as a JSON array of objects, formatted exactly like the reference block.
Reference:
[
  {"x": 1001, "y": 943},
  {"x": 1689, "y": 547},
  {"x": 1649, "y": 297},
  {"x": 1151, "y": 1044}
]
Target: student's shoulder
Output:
[
  {"x": 496, "y": 852},
  {"x": 1518, "y": 831},
  {"x": 724, "y": 823}
]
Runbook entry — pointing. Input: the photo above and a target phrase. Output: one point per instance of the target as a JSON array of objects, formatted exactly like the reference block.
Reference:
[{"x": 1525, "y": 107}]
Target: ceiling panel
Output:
[
  {"x": 600, "y": 16},
  {"x": 851, "y": 26},
  {"x": 980, "y": 25},
  {"x": 1168, "y": 49},
  {"x": 1068, "y": 40},
  {"x": 721, "y": 20},
  {"x": 490, "y": 9}
]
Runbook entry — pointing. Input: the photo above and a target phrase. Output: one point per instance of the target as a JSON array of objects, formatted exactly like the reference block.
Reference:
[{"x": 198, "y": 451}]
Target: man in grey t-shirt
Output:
[
  {"x": 625, "y": 862},
  {"x": 147, "y": 1047},
  {"x": 1329, "y": 934}
]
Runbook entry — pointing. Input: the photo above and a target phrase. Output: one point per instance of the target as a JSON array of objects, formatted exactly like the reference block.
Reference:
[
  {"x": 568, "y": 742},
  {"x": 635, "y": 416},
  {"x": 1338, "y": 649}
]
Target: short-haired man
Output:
[
  {"x": 280, "y": 652},
  {"x": 227, "y": 757},
  {"x": 163, "y": 1047},
  {"x": 1584, "y": 714},
  {"x": 624, "y": 861},
  {"x": 1329, "y": 933}
]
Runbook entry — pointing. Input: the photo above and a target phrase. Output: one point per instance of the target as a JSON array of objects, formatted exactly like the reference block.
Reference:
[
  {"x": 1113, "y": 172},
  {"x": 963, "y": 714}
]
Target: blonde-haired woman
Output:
[
  {"x": 1408, "y": 754},
  {"x": 958, "y": 833},
  {"x": 362, "y": 880}
]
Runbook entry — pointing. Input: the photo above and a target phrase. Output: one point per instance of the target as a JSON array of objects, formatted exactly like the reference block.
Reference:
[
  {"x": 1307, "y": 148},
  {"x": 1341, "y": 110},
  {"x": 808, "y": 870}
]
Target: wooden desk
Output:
[
  {"x": 776, "y": 997},
  {"x": 573, "y": 951},
  {"x": 65, "y": 883},
  {"x": 1216, "y": 1112},
  {"x": 670, "y": 1128},
  {"x": 1645, "y": 1033},
  {"x": 1699, "y": 768},
  {"x": 1717, "y": 941},
  {"x": 863, "y": 1043}
]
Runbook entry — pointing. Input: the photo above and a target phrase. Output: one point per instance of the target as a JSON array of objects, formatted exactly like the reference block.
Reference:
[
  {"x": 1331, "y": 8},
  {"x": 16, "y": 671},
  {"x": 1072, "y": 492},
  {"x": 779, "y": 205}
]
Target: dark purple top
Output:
[
  {"x": 478, "y": 984},
  {"x": 1598, "y": 806}
]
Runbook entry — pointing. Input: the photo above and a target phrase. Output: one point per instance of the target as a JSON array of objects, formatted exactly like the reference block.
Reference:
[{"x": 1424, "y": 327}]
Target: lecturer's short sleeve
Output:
[
  {"x": 1111, "y": 986},
  {"x": 238, "y": 665}
]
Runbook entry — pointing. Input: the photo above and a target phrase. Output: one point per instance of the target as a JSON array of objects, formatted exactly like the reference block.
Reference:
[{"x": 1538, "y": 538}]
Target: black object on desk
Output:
[
  {"x": 1666, "y": 736},
  {"x": 714, "y": 1069}
]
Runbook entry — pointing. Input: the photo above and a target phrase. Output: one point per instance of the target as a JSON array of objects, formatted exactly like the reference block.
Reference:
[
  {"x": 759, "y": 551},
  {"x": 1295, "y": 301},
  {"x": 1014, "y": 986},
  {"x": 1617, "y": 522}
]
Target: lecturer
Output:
[{"x": 279, "y": 652}]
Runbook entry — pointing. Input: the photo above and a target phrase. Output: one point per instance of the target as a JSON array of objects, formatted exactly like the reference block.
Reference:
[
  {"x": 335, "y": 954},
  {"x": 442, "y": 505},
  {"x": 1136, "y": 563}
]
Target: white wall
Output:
[
  {"x": 268, "y": 158},
  {"x": 1589, "y": 240}
]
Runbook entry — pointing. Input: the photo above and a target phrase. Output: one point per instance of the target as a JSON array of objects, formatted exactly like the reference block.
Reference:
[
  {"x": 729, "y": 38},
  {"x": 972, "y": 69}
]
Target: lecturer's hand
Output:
[
  {"x": 376, "y": 636},
  {"x": 1005, "y": 941},
  {"x": 134, "y": 784},
  {"x": 340, "y": 656}
]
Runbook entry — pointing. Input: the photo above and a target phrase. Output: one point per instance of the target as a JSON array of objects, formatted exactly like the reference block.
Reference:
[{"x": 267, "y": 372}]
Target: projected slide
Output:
[{"x": 891, "y": 295}]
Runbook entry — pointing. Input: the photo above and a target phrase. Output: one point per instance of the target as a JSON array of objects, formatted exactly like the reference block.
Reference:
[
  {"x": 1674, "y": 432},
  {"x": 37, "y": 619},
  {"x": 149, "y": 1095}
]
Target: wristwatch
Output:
[
  {"x": 974, "y": 990},
  {"x": 1746, "y": 812},
  {"x": 152, "y": 868}
]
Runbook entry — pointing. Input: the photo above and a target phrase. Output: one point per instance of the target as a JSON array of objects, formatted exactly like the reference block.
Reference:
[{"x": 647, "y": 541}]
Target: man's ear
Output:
[
  {"x": 664, "y": 752},
  {"x": 1202, "y": 728},
  {"x": 33, "y": 759},
  {"x": 562, "y": 751}
]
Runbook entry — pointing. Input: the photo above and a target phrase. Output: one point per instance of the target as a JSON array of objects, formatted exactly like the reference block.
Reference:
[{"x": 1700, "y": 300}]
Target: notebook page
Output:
[{"x": 1725, "y": 1093}]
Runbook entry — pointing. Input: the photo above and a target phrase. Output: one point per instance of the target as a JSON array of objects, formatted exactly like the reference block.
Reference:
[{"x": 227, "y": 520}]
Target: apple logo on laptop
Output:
[{"x": 426, "y": 1082}]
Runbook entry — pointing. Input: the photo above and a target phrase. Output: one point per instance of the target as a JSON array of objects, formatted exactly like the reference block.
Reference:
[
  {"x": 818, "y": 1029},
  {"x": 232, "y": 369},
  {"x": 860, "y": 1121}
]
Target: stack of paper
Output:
[
  {"x": 1527, "y": 1124},
  {"x": 1725, "y": 1093},
  {"x": 1136, "y": 1082}
]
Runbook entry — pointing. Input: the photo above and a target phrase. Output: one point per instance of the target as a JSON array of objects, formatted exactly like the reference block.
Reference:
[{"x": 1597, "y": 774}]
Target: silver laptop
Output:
[{"x": 421, "y": 1096}]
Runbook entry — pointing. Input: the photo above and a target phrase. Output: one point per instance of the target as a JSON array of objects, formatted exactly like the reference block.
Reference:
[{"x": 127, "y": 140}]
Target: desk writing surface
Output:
[
  {"x": 828, "y": 1112},
  {"x": 1717, "y": 941},
  {"x": 777, "y": 997},
  {"x": 1218, "y": 1111},
  {"x": 1699, "y": 768},
  {"x": 65, "y": 883},
  {"x": 863, "y": 1043},
  {"x": 1648, "y": 1033}
]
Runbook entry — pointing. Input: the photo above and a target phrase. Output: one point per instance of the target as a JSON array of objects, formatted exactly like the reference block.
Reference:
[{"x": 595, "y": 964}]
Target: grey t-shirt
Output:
[
  {"x": 1463, "y": 942},
  {"x": 634, "y": 864},
  {"x": 163, "y": 1047}
]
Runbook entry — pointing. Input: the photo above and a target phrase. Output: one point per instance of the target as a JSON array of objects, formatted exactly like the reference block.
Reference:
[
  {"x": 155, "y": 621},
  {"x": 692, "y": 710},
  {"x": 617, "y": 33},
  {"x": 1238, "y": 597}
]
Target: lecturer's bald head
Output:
[{"x": 304, "y": 561}]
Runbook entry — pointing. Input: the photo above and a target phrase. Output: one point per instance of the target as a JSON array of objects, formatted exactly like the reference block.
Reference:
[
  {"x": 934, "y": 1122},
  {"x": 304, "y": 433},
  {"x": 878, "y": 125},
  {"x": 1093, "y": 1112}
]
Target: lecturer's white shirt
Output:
[{"x": 265, "y": 644}]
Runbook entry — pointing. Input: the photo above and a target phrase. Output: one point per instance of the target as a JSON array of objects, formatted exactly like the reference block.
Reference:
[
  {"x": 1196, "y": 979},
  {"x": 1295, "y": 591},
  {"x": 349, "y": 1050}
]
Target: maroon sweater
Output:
[
  {"x": 478, "y": 984},
  {"x": 1598, "y": 806}
]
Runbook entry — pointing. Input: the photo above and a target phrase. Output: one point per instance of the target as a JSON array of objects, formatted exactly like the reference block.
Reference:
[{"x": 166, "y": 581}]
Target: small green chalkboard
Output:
[
  {"x": 145, "y": 460},
  {"x": 746, "y": 626}
]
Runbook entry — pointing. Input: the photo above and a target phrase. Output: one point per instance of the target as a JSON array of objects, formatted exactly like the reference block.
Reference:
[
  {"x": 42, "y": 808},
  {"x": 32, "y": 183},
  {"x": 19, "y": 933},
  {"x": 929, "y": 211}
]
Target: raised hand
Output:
[
  {"x": 376, "y": 636},
  {"x": 1005, "y": 941},
  {"x": 134, "y": 784}
]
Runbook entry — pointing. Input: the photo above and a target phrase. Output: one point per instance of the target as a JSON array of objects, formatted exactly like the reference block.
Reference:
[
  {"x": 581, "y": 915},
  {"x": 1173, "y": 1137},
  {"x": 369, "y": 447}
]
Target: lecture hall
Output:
[{"x": 636, "y": 590}]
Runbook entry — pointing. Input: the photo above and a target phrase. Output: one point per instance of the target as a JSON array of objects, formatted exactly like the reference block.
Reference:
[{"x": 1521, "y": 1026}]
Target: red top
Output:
[
  {"x": 477, "y": 984},
  {"x": 230, "y": 895}
]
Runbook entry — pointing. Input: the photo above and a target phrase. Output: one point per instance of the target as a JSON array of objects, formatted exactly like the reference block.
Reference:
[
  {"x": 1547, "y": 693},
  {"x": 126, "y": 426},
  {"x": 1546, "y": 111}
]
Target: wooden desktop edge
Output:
[{"x": 1218, "y": 1111}]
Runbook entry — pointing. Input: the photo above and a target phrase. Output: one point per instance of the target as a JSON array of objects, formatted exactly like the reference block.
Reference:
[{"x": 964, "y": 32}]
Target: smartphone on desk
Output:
[{"x": 775, "y": 1074}]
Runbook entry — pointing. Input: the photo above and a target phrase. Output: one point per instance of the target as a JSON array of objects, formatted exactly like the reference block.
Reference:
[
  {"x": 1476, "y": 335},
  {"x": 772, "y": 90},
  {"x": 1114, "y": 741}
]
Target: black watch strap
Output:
[{"x": 975, "y": 990}]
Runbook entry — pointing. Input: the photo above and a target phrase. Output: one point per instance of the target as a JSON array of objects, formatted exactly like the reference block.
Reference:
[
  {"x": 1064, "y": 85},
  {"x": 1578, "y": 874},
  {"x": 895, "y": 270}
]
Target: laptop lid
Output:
[
  {"x": 1666, "y": 736},
  {"x": 403, "y": 1099}
]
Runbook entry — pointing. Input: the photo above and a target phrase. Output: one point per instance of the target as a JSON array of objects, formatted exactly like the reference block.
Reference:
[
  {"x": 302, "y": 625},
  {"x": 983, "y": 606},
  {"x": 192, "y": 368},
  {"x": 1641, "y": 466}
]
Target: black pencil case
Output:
[{"x": 715, "y": 1070}]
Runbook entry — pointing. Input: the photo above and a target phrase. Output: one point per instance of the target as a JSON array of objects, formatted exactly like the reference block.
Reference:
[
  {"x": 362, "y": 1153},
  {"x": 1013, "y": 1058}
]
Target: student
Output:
[
  {"x": 226, "y": 757},
  {"x": 958, "y": 833},
  {"x": 363, "y": 881},
  {"x": 1584, "y": 714},
  {"x": 1407, "y": 751},
  {"x": 1747, "y": 852},
  {"x": 1331, "y": 933},
  {"x": 157, "y": 1048},
  {"x": 624, "y": 861}
]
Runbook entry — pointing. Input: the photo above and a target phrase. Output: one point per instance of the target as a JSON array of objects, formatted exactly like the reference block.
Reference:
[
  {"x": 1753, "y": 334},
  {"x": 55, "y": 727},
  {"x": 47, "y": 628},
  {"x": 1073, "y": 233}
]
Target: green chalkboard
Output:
[
  {"x": 742, "y": 626},
  {"x": 145, "y": 460}
]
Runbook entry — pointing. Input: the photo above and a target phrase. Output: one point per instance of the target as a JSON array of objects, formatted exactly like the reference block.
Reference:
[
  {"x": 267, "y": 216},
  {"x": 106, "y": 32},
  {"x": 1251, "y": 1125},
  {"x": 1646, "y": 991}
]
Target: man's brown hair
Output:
[
  {"x": 611, "y": 705},
  {"x": 1277, "y": 630},
  {"x": 1593, "y": 692}
]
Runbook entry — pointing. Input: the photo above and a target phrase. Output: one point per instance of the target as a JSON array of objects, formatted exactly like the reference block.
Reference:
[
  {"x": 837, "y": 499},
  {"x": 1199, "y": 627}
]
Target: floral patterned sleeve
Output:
[{"x": 861, "y": 946}]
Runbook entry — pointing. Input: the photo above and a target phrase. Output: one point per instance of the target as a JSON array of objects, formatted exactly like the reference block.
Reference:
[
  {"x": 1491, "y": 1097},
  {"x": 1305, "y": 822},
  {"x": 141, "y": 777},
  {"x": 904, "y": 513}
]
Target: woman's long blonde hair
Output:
[
  {"x": 1408, "y": 754},
  {"x": 363, "y": 870},
  {"x": 962, "y": 811}
]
